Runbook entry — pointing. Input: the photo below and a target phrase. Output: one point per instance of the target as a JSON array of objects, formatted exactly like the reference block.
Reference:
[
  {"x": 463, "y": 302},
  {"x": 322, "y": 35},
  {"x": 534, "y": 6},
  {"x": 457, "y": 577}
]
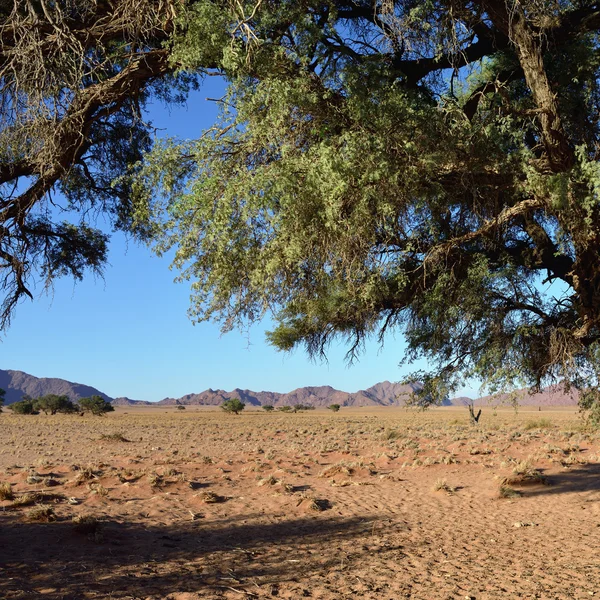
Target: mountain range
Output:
[{"x": 17, "y": 384}]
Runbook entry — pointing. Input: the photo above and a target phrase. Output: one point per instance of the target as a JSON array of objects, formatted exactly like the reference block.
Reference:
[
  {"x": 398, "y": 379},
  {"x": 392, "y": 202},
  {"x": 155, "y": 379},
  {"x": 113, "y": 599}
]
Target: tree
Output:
[
  {"x": 268, "y": 408},
  {"x": 96, "y": 405},
  {"x": 430, "y": 167},
  {"x": 334, "y": 407},
  {"x": 76, "y": 76},
  {"x": 52, "y": 403},
  {"x": 180, "y": 407},
  {"x": 23, "y": 407},
  {"x": 2, "y": 394},
  {"x": 233, "y": 405}
]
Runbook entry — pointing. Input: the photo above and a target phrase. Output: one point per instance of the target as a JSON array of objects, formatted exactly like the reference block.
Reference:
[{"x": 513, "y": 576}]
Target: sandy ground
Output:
[{"x": 377, "y": 504}]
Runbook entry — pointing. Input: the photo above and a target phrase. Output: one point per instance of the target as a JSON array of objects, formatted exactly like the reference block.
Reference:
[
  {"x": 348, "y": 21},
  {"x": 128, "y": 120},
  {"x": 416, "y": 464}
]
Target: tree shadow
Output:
[
  {"x": 132, "y": 560},
  {"x": 577, "y": 479}
]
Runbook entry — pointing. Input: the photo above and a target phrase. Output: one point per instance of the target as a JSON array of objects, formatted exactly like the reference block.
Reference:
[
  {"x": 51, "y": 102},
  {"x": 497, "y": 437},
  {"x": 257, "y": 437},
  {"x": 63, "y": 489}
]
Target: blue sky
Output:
[{"x": 128, "y": 334}]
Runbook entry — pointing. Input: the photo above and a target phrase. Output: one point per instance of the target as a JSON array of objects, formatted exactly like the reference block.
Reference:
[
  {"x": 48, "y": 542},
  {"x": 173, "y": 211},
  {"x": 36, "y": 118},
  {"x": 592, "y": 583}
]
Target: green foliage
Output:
[
  {"x": 268, "y": 408},
  {"x": 96, "y": 405},
  {"x": 180, "y": 407},
  {"x": 233, "y": 405},
  {"x": 302, "y": 407},
  {"x": 354, "y": 188},
  {"x": 285, "y": 409},
  {"x": 53, "y": 404},
  {"x": 420, "y": 167},
  {"x": 23, "y": 407},
  {"x": 334, "y": 407}
]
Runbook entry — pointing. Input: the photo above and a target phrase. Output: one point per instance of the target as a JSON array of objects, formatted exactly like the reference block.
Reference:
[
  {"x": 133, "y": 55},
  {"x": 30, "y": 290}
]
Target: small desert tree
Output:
[
  {"x": 233, "y": 405},
  {"x": 2, "y": 393},
  {"x": 180, "y": 407},
  {"x": 268, "y": 408},
  {"x": 95, "y": 405},
  {"x": 52, "y": 403},
  {"x": 334, "y": 407}
]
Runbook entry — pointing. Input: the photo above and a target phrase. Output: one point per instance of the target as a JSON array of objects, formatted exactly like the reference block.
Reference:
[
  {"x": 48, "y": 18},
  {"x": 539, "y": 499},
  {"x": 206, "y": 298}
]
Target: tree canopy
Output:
[{"x": 430, "y": 167}]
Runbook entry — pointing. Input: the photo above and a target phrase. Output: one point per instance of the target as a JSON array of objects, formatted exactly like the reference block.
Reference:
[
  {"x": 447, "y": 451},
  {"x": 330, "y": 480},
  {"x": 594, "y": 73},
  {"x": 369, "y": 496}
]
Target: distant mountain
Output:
[
  {"x": 554, "y": 395},
  {"x": 381, "y": 394},
  {"x": 17, "y": 384},
  {"x": 124, "y": 401}
]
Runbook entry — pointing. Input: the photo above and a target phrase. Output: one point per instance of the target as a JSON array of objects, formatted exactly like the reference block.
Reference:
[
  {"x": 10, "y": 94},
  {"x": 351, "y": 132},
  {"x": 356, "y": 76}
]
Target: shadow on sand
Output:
[
  {"x": 575, "y": 479},
  {"x": 136, "y": 561}
]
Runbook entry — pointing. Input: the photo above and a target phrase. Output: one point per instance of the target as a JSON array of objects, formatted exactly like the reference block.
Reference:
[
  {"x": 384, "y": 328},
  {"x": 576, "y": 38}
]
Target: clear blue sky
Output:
[{"x": 129, "y": 335}]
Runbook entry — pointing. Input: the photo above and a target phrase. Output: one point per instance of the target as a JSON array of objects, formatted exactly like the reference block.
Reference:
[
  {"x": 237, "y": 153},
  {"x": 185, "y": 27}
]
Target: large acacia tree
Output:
[{"x": 426, "y": 166}]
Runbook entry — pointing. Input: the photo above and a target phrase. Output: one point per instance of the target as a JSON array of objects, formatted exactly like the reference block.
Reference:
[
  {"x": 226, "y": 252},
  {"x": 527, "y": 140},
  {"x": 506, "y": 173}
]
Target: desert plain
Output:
[{"x": 157, "y": 503}]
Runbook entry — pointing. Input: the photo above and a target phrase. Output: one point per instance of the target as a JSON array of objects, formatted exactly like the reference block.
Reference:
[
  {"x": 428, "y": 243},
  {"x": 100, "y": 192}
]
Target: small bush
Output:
[
  {"x": 180, "y": 407},
  {"x": 23, "y": 407},
  {"x": 284, "y": 408},
  {"x": 334, "y": 407},
  {"x": 268, "y": 408}
]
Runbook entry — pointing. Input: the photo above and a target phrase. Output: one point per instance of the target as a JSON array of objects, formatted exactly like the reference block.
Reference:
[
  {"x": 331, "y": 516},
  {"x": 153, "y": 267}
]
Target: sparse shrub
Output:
[
  {"x": 23, "y": 407},
  {"x": 233, "y": 405},
  {"x": 284, "y": 409},
  {"x": 2, "y": 393},
  {"x": 334, "y": 407},
  {"x": 180, "y": 407},
  {"x": 96, "y": 405},
  {"x": 268, "y": 408}
]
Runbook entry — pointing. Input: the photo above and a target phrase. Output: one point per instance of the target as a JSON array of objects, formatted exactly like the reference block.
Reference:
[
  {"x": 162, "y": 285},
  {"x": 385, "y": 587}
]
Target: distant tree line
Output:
[{"x": 53, "y": 404}]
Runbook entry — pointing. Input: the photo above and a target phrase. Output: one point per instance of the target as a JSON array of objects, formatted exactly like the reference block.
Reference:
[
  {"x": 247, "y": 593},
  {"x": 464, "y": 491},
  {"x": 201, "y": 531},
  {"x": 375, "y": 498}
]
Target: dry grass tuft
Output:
[
  {"x": 6, "y": 491},
  {"x": 212, "y": 498},
  {"x": 441, "y": 485},
  {"x": 41, "y": 514}
]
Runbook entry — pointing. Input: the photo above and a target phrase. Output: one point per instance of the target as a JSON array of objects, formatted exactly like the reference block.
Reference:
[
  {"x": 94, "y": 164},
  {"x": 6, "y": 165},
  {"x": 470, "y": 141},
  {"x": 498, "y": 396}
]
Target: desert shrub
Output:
[
  {"x": 180, "y": 407},
  {"x": 23, "y": 407},
  {"x": 95, "y": 405},
  {"x": 53, "y": 404},
  {"x": 268, "y": 408},
  {"x": 334, "y": 407},
  {"x": 233, "y": 405},
  {"x": 2, "y": 393},
  {"x": 284, "y": 408}
]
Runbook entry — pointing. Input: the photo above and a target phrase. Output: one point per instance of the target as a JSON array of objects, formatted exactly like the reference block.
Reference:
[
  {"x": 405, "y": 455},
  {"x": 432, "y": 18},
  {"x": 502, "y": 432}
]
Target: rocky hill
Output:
[{"x": 17, "y": 384}]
